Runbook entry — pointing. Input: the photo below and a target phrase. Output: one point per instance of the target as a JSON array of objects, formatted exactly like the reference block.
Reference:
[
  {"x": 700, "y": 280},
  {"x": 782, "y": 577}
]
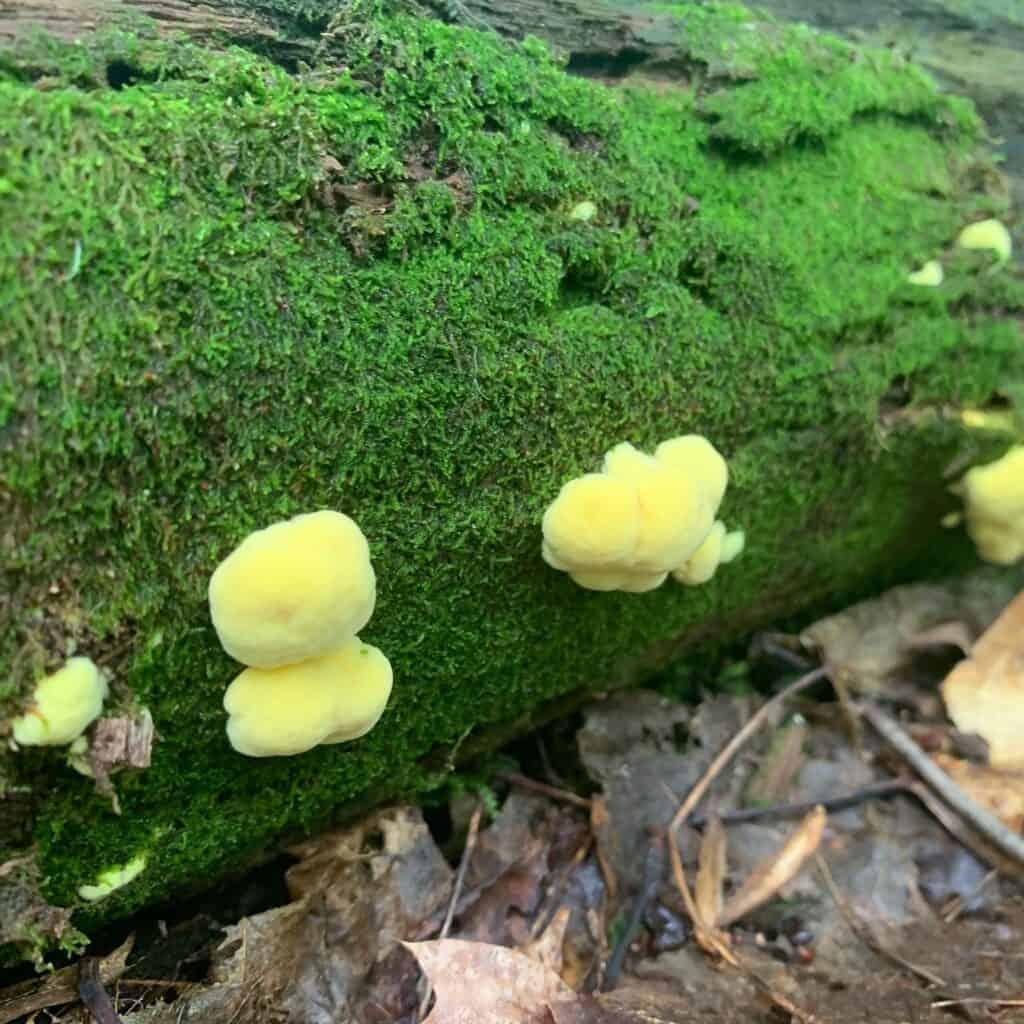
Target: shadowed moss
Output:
[{"x": 231, "y": 294}]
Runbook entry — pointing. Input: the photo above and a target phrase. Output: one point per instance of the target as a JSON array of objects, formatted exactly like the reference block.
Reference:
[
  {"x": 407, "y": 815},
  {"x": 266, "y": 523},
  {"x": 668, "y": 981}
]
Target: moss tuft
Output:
[{"x": 232, "y": 294}]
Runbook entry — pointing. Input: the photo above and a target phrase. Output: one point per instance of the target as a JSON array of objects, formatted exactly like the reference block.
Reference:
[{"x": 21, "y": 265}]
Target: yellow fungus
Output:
[
  {"x": 988, "y": 234},
  {"x": 644, "y": 516},
  {"x": 63, "y": 705},
  {"x": 291, "y": 709},
  {"x": 993, "y": 497},
  {"x": 929, "y": 276},
  {"x": 112, "y": 879},
  {"x": 295, "y": 590}
]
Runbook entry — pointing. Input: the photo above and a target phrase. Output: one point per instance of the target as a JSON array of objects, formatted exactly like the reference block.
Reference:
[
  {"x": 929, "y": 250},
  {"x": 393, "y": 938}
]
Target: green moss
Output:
[{"x": 232, "y": 294}]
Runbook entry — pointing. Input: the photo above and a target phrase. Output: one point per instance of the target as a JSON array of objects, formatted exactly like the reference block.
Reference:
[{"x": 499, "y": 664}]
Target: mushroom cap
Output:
[
  {"x": 930, "y": 275},
  {"x": 704, "y": 562},
  {"x": 618, "y": 579},
  {"x": 733, "y": 544},
  {"x": 288, "y": 710},
  {"x": 593, "y": 523},
  {"x": 628, "y": 463},
  {"x": 987, "y": 234},
  {"x": 675, "y": 518},
  {"x": 294, "y": 590},
  {"x": 697, "y": 458},
  {"x": 63, "y": 706},
  {"x": 994, "y": 499}
]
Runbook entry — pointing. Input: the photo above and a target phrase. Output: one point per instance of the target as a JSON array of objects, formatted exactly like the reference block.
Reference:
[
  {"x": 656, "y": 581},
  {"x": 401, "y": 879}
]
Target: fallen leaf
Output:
[
  {"x": 985, "y": 693},
  {"x": 873, "y": 640},
  {"x": 476, "y": 981},
  {"x": 1001, "y": 792},
  {"x": 948, "y": 634},
  {"x": 710, "y": 882},
  {"x": 771, "y": 875},
  {"x": 546, "y": 949},
  {"x": 507, "y": 870}
]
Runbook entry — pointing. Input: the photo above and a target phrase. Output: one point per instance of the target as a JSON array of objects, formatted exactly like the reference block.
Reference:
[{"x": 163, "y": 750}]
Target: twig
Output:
[
  {"x": 654, "y": 868},
  {"x": 865, "y": 935},
  {"x": 988, "y": 825},
  {"x": 942, "y": 1003},
  {"x": 523, "y": 782},
  {"x": 460, "y": 878},
  {"x": 92, "y": 993},
  {"x": 726, "y": 754},
  {"x": 876, "y": 791}
]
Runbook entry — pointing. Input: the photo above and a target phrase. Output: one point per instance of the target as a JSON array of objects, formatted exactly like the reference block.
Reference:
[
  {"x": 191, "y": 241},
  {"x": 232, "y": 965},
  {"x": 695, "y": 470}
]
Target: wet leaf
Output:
[{"x": 985, "y": 693}]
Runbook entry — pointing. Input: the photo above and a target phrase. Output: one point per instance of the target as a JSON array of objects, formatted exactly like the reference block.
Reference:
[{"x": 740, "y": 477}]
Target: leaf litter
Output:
[{"x": 837, "y": 875}]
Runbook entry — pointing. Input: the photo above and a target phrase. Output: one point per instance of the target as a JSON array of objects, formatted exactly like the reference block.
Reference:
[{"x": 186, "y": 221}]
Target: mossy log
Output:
[{"x": 334, "y": 265}]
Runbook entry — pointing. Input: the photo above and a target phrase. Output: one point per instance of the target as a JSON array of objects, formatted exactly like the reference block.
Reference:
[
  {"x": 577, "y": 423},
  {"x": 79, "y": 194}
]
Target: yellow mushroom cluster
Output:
[
  {"x": 643, "y": 517},
  {"x": 63, "y": 706},
  {"x": 289, "y": 603},
  {"x": 993, "y": 497}
]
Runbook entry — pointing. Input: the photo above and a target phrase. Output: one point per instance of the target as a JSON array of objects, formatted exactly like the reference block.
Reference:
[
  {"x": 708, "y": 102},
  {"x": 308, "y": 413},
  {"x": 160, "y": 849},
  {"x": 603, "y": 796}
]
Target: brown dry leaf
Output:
[
  {"x": 948, "y": 634},
  {"x": 775, "y": 872},
  {"x": 1001, "y": 792},
  {"x": 871, "y": 641},
  {"x": 506, "y": 871},
  {"x": 985, "y": 693},
  {"x": 546, "y": 949},
  {"x": 475, "y": 981},
  {"x": 710, "y": 882}
]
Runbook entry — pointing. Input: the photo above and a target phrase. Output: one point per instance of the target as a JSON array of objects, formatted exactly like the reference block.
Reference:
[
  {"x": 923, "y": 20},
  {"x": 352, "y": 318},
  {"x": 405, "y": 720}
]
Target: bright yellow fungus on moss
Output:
[
  {"x": 644, "y": 516},
  {"x": 295, "y": 590},
  {"x": 993, "y": 497},
  {"x": 112, "y": 879},
  {"x": 718, "y": 548},
  {"x": 63, "y": 705},
  {"x": 289, "y": 710},
  {"x": 930, "y": 275},
  {"x": 988, "y": 234}
]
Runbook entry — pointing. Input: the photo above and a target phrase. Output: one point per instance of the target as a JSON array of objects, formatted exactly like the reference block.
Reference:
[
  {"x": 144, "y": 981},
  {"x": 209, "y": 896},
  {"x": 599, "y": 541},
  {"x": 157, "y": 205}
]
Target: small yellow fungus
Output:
[
  {"x": 584, "y": 211},
  {"x": 698, "y": 458},
  {"x": 112, "y": 879},
  {"x": 929, "y": 276},
  {"x": 63, "y": 705},
  {"x": 295, "y": 590},
  {"x": 988, "y": 234},
  {"x": 289, "y": 710},
  {"x": 644, "y": 516},
  {"x": 719, "y": 548},
  {"x": 993, "y": 497},
  {"x": 593, "y": 523}
]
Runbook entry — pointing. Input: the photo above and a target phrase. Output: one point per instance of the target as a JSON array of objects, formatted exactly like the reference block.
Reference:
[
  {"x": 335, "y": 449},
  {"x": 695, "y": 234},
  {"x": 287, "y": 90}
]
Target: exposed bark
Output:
[{"x": 598, "y": 39}]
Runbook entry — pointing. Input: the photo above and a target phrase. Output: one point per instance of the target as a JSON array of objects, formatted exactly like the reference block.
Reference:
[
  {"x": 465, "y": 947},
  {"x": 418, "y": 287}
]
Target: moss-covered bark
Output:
[{"x": 232, "y": 292}]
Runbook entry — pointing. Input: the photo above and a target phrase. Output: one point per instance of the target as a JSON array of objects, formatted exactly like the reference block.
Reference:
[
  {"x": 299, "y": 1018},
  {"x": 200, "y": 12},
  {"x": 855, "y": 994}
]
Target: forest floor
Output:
[{"x": 836, "y": 852}]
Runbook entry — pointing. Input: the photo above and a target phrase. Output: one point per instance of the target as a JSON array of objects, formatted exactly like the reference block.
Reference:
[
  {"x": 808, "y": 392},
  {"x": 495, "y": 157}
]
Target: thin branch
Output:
[
  {"x": 654, "y": 868},
  {"x": 988, "y": 825},
  {"x": 523, "y": 782},
  {"x": 460, "y": 878},
  {"x": 729, "y": 750},
  {"x": 876, "y": 791}
]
